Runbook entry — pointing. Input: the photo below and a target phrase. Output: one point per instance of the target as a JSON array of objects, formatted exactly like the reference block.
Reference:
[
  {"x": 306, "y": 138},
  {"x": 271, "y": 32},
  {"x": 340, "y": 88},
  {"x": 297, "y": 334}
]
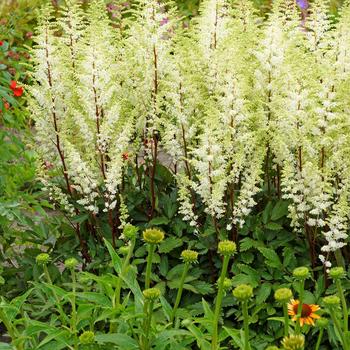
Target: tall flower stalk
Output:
[{"x": 225, "y": 249}]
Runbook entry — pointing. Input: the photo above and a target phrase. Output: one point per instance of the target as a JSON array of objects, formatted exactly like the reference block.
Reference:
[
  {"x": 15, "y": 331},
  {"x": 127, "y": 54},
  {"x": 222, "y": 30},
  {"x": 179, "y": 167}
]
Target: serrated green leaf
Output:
[
  {"x": 271, "y": 257},
  {"x": 263, "y": 293},
  {"x": 169, "y": 244}
]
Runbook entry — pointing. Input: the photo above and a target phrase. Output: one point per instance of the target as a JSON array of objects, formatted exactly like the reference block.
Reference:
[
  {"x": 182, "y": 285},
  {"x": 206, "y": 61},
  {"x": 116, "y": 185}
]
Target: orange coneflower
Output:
[{"x": 307, "y": 312}]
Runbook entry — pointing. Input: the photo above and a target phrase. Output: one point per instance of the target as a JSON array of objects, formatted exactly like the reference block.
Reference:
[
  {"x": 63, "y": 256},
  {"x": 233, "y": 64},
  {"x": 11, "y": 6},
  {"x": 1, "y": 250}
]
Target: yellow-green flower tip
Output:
[
  {"x": 337, "y": 273},
  {"x": 227, "y": 247},
  {"x": 87, "y": 337},
  {"x": 322, "y": 322},
  {"x": 331, "y": 300},
  {"x": 124, "y": 250},
  {"x": 42, "y": 259},
  {"x": 71, "y": 263},
  {"x": 130, "y": 231},
  {"x": 153, "y": 236},
  {"x": 283, "y": 295},
  {"x": 189, "y": 256},
  {"x": 272, "y": 347},
  {"x": 293, "y": 342},
  {"x": 301, "y": 273},
  {"x": 243, "y": 292},
  {"x": 151, "y": 294}
]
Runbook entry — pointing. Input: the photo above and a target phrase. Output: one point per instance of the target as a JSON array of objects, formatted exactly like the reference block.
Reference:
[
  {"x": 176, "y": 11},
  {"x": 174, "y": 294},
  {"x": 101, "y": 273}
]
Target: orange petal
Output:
[
  {"x": 315, "y": 316},
  {"x": 314, "y": 307}
]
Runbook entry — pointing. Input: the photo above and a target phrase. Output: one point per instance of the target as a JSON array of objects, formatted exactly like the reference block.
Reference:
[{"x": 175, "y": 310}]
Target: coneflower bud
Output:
[
  {"x": 151, "y": 294},
  {"x": 227, "y": 247},
  {"x": 293, "y": 342},
  {"x": 337, "y": 273},
  {"x": 331, "y": 301},
  {"x": 42, "y": 259},
  {"x": 130, "y": 231},
  {"x": 301, "y": 273},
  {"x": 71, "y": 263},
  {"x": 243, "y": 292},
  {"x": 322, "y": 322},
  {"x": 283, "y": 295},
  {"x": 124, "y": 250},
  {"x": 87, "y": 337},
  {"x": 153, "y": 236},
  {"x": 189, "y": 256}
]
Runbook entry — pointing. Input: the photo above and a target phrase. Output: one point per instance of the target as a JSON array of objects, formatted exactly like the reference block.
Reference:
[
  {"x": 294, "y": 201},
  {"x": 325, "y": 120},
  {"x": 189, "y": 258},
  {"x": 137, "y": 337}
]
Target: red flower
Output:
[
  {"x": 125, "y": 156},
  {"x": 13, "y": 84},
  {"x": 6, "y": 105},
  {"x": 1, "y": 43},
  {"x": 17, "y": 91}
]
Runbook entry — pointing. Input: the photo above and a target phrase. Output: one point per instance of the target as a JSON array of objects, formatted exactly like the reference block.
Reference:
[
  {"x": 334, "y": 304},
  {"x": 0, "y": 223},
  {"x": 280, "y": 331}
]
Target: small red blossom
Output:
[
  {"x": 29, "y": 35},
  {"x": 13, "y": 84},
  {"x": 6, "y": 105},
  {"x": 1, "y": 43},
  {"x": 125, "y": 156},
  {"x": 17, "y": 91}
]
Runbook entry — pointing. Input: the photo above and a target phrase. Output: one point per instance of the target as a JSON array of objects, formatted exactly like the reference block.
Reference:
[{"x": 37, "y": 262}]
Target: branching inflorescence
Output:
[{"x": 238, "y": 104}]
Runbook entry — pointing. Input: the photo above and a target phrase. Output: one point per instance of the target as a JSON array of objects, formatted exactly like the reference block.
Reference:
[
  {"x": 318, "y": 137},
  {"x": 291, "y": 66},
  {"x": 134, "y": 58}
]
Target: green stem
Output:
[
  {"x": 286, "y": 319},
  {"x": 246, "y": 325},
  {"x": 58, "y": 303},
  {"x": 339, "y": 329},
  {"x": 122, "y": 273},
  {"x": 74, "y": 309},
  {"x": 300, "y": 306},
  {"x": 151, "y": 249},
  {"x": 319, "y": 339},
  {"x": 218, "y": 302},
  {"x": 344, "y": 304},
  {"x": 147, "y": 324},
  {"x": 118, "y": 288},
  {"x": 179, "y": 292}
]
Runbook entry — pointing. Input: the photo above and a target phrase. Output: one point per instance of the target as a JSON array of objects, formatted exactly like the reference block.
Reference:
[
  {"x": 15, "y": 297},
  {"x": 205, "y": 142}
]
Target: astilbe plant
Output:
[{"x": 237, "y": 104}]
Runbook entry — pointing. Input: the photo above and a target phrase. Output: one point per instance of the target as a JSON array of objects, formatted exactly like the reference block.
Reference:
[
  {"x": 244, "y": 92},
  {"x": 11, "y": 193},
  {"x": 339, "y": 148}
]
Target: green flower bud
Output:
[
  {"x": 124, "y": 250},
  {"x": 272, "y": 347},
  {"x": 243, "y": 292},
  {"x": 283, "y": 295},
  {"x": 337, "y": 273},
  {"x": 130, "y": 231},
  {"x": 87, "y": 337},
  {"x": 331, "y": 301},
  {"x": 322, "y": 322},
  {"x": 301, "y": 273},
  {"x": 227, "y": 247},
  {"x": 293, "y": 342},
  {"x": 71, "y": 263},
  {"x": 228, "y": 284},
  {"x": 151, "y": 294},
  {"x": 153, "y": 236},
  {"x": 42, "y": 259},
  {"x": 189, "y": 256}
]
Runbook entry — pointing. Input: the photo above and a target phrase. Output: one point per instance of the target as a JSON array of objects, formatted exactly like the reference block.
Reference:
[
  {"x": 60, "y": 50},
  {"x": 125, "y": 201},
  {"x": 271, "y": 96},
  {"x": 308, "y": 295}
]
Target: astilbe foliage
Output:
[{"x": 238, "y": 104}]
